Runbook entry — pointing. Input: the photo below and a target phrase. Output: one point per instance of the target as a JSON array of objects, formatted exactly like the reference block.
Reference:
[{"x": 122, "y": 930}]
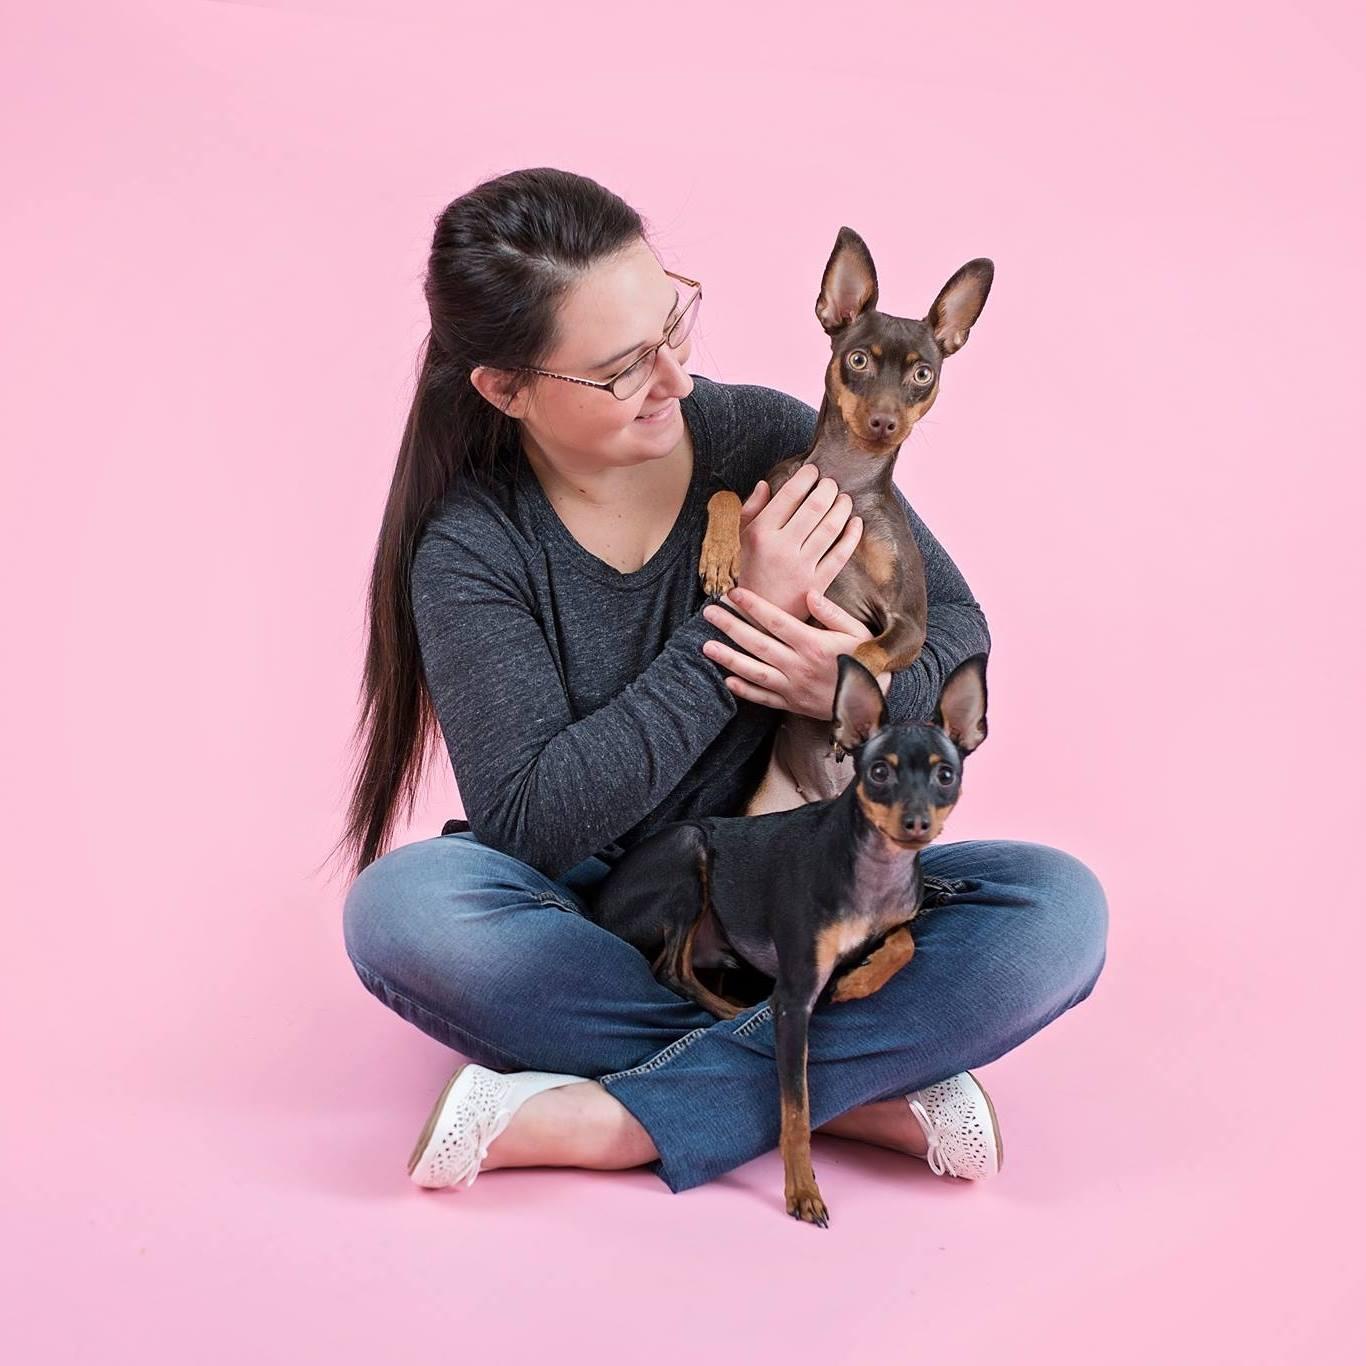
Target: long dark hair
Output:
[{"x": 502, "y": 258}]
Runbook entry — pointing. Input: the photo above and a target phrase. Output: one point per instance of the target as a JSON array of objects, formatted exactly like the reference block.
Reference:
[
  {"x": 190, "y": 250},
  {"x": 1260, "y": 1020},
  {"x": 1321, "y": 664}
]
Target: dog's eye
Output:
[
  {"x": 922, "y": 375},
  {"x": 858, "y": 360},
  {"x": 945, "y": 775},
  {"x": 879, "y": 771}
]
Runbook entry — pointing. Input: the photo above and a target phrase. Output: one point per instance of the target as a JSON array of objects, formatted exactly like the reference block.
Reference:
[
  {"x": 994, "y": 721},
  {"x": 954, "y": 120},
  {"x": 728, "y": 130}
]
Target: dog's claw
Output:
[
  {"x": 810, "y": 1216},
  {"x": 717, "y": 571},
  {"x": 809, "y": 1208}
]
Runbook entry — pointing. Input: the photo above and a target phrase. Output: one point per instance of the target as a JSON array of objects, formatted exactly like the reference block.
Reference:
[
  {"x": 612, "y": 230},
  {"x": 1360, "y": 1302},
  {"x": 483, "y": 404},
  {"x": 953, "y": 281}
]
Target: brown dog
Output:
[{"x": 882, "y": 378}]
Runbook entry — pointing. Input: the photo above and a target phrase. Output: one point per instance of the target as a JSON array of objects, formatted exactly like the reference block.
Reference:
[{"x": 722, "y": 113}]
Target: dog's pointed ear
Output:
[
  {"x": 860, "y": 708},
  {"x": 962, "y": 710},
  {"x": 849, "y": 285},
  {"x": 953, "y": 313}
]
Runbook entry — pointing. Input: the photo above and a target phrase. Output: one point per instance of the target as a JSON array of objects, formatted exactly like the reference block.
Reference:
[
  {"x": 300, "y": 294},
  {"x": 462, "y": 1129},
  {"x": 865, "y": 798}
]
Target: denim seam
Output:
[
  {"x": 437, "y": 1015},
  {"x": 672, "y": 1050},
  {"x": 549, "y": 898},
  {"x": 664, "y": 1055},
  {"x": 542, "y": 897}
]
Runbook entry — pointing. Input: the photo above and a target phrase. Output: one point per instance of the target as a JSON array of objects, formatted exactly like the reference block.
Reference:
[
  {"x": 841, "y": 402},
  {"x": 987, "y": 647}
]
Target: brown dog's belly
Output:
[{"x": 854, "y": 589}]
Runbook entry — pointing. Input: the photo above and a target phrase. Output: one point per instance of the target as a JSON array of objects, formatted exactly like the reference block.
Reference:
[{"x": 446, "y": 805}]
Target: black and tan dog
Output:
[
  {"x": 818, "y": 898},
  {"x": 882, "y": 378}
]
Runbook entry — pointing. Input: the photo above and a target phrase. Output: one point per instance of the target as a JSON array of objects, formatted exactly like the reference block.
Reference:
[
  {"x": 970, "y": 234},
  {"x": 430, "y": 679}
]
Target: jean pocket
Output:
[{"x": 940, "y": 891}]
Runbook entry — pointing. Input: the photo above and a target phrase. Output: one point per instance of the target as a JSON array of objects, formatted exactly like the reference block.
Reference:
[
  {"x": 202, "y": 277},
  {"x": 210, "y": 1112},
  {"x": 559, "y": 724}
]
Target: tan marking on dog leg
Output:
[
  {"x": 719, "y": 561},
  {"x": 802, "y": 1194},
  {"x": 878, "y": 558},
  {"x": 876, "y": 970}
]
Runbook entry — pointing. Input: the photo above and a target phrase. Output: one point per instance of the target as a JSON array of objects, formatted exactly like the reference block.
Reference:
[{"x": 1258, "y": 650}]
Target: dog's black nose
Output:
[{"x": 917, "y": 825}]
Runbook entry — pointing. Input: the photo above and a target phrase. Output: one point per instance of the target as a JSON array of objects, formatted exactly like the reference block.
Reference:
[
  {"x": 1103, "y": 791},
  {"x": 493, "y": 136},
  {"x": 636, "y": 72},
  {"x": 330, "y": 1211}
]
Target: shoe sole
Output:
[
  {"x": 429, "y": 1128},
  {"x": 995, "y": 1125}
]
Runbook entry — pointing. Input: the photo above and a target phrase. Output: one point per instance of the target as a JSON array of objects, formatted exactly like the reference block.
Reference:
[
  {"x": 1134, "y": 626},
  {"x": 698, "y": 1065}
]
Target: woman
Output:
[{"x": 535, "y": 595}]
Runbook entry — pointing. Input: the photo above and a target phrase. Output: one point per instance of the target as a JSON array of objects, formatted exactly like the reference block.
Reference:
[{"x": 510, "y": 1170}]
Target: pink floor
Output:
[{"x": 216, "y": 219}]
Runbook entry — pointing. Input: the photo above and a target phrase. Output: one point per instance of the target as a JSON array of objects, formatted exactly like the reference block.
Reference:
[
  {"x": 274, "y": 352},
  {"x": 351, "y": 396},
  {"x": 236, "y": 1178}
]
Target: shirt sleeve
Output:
[
  {"x": 956, "y": 628},
  {"x": 536, "y": 783}
]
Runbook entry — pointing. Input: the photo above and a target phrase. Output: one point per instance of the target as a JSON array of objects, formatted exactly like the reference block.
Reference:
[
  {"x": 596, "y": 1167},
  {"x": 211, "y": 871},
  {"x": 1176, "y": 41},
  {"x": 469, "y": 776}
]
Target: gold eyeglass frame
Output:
[{"x": 652, "y": 353}]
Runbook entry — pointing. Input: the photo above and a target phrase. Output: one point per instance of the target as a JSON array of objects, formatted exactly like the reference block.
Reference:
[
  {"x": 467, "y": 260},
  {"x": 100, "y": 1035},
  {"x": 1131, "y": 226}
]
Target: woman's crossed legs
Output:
[{"x": 499, "y": 962}]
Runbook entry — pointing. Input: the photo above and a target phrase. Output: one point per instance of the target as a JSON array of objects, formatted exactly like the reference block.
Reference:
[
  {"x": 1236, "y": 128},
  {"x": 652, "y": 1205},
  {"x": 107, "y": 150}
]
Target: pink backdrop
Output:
[{"x": 216, "y": 223}]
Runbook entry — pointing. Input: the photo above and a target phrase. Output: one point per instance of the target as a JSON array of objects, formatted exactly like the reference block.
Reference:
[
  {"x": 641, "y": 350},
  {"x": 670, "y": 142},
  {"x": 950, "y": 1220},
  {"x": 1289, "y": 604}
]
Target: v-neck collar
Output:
[{"x": 584, "y": 559}]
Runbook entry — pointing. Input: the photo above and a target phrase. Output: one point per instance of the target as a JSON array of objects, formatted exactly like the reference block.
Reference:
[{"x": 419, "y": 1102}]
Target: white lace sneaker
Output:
[
  {"x": 474, "y": 1107},
  {"x": 960, "y": 1127}
]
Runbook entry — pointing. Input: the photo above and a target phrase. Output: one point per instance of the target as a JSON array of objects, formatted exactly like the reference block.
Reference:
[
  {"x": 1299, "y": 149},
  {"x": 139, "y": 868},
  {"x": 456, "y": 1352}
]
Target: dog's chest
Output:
[{"x": 882, "y": 895}]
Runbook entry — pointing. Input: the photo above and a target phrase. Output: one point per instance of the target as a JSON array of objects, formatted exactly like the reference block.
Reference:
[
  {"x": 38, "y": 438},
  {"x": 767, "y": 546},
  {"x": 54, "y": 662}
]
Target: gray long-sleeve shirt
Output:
[{"x": 576, "y": 703}]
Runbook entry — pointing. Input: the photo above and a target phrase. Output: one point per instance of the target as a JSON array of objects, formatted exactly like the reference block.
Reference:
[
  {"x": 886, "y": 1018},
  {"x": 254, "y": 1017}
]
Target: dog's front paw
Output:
[
  {"x": 805, "y": 1203},
  {"x": 719, "y": 562},
  {"x": 717, "y": 571}
]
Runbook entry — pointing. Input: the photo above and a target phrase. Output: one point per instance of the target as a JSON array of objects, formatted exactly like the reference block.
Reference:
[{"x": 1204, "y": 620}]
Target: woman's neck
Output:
[
  {"x": 623, "y": 520},
  {"x": 614, "y": 488}
]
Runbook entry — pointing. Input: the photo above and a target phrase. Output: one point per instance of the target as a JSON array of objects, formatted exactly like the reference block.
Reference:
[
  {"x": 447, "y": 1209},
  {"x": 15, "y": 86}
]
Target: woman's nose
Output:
[{"x": 669, "y": 367}]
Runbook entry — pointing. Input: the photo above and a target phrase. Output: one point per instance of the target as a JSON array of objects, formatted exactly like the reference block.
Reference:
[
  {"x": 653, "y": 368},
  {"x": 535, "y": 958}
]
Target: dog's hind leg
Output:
[
  {"x": 873, "y": 972},
  {"x": 675, "y": 966}
]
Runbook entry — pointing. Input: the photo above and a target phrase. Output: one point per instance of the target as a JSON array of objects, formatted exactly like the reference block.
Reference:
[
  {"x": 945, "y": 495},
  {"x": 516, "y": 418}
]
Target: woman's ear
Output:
[{"x": 499, "y": 387}]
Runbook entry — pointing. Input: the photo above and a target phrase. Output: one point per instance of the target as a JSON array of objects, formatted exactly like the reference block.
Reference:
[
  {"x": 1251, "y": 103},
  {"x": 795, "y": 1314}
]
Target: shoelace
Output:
[
  {"x": 496, "y": 1125},
  {"x": 934, "y": 1154}
]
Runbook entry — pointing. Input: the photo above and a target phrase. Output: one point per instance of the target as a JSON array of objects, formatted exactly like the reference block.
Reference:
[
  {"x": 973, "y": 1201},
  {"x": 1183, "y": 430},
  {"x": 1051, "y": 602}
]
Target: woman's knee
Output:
[
  {"x": 398, "y": 905},
  {"x": 1070, "y": 911},
  {"x": 446, "y": 916}
]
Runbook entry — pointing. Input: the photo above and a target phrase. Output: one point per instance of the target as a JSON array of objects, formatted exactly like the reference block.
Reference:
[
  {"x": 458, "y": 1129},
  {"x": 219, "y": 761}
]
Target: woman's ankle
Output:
[
  {"x": 578, "y": 1125},
  {"x": 886, "y": 1123}
]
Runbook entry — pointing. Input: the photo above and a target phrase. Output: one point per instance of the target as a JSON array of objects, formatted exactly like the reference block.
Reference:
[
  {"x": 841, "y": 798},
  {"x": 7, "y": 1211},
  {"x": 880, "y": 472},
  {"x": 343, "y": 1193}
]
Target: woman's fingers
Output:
[
  {"x": 742, "y": 687},
  {"x": 825, "y": 535},
  {"x": 790, "y": 498},
  {"x": 830, "y": 613},
  {"x": 754, "y": 503},
  {"x": 839, "y": 554},
  {"x": 816, "y": 507},
  {"x": 773, "y": 634},
  {"x": 766, "y": 676}
]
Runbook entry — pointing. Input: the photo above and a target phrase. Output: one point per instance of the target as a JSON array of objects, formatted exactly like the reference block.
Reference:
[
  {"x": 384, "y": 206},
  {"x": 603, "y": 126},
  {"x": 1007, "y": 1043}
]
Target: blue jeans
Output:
[{"x": 500, "y": 962}]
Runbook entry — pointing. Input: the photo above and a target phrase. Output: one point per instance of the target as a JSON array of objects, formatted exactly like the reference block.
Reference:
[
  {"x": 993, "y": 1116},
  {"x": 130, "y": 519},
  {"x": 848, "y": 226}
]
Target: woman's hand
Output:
[
  {"x": 797, "y": 540},
  {"x": 789, "y": 665}
]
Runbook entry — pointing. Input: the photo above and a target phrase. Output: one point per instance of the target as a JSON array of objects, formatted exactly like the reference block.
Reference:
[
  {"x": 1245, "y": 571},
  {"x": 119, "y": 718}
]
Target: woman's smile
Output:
[{"x": 660, "y": 414}]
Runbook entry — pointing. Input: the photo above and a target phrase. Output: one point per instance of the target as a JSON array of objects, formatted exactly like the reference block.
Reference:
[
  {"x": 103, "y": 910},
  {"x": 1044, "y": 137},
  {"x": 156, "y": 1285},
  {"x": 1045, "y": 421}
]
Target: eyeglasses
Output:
[{"x": 630, "y": 380}]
